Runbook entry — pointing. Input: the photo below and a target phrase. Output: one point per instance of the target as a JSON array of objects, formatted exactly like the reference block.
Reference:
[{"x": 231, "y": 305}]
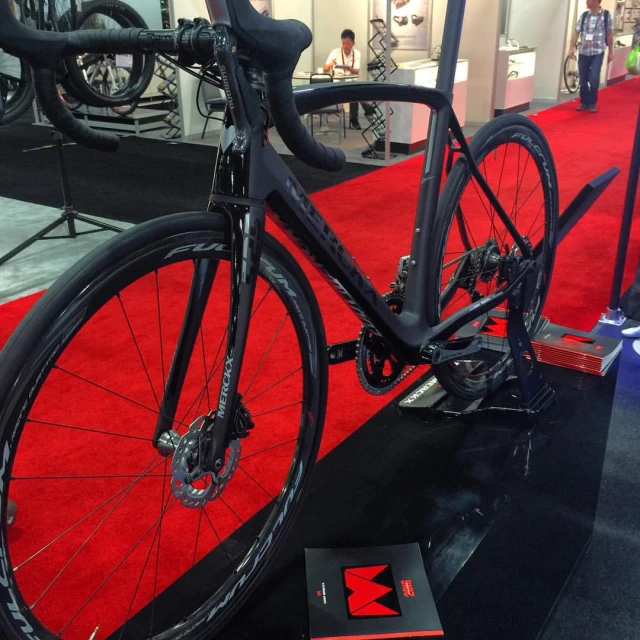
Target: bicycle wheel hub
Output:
[{"x": 190, "y": 484}]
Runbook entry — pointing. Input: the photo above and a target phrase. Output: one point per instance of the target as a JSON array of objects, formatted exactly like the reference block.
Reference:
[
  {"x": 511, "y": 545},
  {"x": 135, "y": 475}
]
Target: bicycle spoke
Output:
[
  {"x": 144, "y": 569},
  {"x": 97, "y": 431},
  {"x": 275, "y": 446},
  {"x": 275, "y": 384},
  {"x": 135, "y": 546},
  {"x": 216, "y": 365},
  {"x": 137, "y": 344},
  {"x": 83, "y": 545},
  {"x": 77, "y": 524},
  {"x": 164, "y": 376},
  {"x": 155, "y": 581},
  {"x": 286, "y": 406},
  {"x": 215, "y": 532},
  {"x": 267, "y": 352},
  {"x": 256, "y": 481},
  {"x": 112, "y": 392},
  {"x": 195, "y": 548}
]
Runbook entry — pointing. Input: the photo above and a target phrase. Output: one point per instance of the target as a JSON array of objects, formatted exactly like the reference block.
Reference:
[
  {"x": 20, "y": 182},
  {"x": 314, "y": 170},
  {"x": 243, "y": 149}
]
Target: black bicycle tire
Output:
[
  {"x": 26, "y": 95},
  {"x": 17, "y": 107},
  {"x": 20, "y": 359},
  {"x": 566, "y": 81},
  {"x": 142, "y": 71},
  {"x": 125, "y": 109},
  {"x": 495, "y": 132}
]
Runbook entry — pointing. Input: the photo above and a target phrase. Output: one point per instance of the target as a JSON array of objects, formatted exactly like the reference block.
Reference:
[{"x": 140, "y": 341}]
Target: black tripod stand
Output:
[{"x": 69, "y": 214}]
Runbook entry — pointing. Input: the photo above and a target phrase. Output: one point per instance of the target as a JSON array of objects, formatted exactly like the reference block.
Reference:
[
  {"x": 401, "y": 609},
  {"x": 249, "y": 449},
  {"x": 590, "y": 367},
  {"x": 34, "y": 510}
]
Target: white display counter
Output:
[
  {"x": 410, "y": 122},
  {"x": 515, "y": 73},
  {"x": 617, "y": 69}
]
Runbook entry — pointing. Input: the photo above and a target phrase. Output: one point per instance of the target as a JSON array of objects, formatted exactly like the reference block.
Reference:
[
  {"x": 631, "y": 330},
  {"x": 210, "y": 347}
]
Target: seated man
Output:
[{"x": 346, "y": 61}]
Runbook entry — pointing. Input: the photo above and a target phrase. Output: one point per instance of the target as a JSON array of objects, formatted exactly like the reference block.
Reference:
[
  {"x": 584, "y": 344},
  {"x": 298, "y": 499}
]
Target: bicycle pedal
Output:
[{"x": 439, "y": 352}]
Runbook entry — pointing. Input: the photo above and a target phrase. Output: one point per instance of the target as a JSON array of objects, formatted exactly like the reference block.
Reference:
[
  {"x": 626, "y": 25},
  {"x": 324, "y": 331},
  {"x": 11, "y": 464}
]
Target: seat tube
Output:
[{"x": 433, "y": 167}]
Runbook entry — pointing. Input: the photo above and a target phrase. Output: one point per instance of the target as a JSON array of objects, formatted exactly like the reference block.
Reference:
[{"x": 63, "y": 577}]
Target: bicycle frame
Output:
[{"x": 244, "y": 182}]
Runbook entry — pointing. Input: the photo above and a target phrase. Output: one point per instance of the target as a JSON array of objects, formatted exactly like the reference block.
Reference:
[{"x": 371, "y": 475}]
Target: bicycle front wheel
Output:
[
  {"x": 102, "y": 547},
  {"x": 470, "y": 242},
  {"x": 571, "y": 75}
]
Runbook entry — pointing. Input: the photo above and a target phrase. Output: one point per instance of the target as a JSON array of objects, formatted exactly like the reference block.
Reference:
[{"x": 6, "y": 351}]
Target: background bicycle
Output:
[{"x": 97, "y": 80}]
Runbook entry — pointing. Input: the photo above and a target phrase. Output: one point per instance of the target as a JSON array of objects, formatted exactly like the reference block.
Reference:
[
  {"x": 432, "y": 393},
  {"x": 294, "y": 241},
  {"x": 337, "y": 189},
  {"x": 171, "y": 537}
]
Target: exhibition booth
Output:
[
  {"x": 339, "y": 395},
  {"x": 512, "y": 56}
]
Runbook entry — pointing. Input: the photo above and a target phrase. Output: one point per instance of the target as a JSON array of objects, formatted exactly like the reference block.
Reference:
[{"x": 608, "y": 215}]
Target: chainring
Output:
[{"x": 379, "y": 369}]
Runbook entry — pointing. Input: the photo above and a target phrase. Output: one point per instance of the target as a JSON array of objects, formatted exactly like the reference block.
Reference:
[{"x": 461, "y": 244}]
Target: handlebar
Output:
[{"x": 274, "y": 46}]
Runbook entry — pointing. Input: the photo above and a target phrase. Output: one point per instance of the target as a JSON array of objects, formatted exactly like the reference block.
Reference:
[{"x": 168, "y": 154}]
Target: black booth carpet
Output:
[{"x": 139, "y": 169}]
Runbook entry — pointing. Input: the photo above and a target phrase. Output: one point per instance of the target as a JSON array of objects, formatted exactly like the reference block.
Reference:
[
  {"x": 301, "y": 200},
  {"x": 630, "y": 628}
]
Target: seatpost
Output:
[
  {"x": 437, "y": 142},
  {"x": 451, "y": 38}
]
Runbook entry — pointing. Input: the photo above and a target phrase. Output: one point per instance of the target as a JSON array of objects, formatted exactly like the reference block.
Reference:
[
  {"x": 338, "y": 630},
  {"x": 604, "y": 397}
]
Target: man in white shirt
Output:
[{"x": 346, "y": 61}]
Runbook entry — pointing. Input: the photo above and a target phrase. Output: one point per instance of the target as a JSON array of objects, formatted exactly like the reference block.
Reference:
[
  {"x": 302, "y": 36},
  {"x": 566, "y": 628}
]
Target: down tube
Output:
[{"x": 296, "y": 214}]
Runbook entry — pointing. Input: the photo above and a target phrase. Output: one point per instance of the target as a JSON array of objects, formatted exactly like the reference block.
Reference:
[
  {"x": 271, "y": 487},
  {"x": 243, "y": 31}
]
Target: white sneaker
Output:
[{"x": 632, "y": 332}]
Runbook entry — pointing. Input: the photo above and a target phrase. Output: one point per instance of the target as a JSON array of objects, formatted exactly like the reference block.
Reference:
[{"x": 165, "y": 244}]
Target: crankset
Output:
[{"x": 379, "y": 368}]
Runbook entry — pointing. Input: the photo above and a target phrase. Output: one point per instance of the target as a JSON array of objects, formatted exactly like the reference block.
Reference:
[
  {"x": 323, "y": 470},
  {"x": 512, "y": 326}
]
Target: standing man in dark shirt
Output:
[{"x": 596, "y": 30}]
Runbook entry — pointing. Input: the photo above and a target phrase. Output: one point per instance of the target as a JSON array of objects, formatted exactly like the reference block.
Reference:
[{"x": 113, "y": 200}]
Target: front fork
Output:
[{"x": 247, "y": 231}]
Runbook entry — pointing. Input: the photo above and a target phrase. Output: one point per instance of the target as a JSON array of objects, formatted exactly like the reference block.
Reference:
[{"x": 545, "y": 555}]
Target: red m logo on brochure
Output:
[{"x": 370, "y": 592}]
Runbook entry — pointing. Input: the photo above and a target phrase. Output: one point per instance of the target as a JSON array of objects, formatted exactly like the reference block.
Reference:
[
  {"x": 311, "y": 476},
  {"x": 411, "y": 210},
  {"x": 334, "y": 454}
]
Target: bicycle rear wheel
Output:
[
  {"x": 101, "y": 542},
  {"x": 470, "y": 242}
]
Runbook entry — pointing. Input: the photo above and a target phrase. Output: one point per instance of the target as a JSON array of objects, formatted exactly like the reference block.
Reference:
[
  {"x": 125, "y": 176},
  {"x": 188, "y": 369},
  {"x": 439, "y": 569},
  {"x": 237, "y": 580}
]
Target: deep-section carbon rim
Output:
[{"x": 515, "y": 160}]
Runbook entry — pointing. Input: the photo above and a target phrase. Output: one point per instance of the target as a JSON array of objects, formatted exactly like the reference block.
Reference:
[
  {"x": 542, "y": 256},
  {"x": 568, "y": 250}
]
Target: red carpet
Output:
[{"x": 373, "y": 215}]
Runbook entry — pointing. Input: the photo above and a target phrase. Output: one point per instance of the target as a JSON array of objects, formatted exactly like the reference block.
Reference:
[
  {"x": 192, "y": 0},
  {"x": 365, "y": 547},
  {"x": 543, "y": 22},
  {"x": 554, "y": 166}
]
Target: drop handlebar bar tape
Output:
[{"x": 291, "y": 129}]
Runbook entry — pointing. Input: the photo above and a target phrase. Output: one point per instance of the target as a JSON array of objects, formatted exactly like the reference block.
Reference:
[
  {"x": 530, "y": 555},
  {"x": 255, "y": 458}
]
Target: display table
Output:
[
  {"x": 304, "y": 77},
  {"x": 410, "y": 122},
  {"x": 617, "y": 69},
  {"x": 514, "y": 80}
]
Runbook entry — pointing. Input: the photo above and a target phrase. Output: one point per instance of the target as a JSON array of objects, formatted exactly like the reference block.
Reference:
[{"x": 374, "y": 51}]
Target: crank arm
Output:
[{"x": 439, "y": 352}]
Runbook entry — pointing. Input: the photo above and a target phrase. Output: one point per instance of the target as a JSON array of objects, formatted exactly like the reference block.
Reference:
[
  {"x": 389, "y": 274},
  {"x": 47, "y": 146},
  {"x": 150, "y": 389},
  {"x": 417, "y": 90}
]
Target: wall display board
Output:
[
  {"x": 627, "y": 12},
  {"x": 265, "y": 7},
  {"x": 411, "y": 22}
]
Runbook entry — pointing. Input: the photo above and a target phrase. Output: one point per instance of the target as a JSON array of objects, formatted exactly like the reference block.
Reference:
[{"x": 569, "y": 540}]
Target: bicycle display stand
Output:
[
  {"x": 69, "y": 215},
  {"x": 614, "y": 314}
]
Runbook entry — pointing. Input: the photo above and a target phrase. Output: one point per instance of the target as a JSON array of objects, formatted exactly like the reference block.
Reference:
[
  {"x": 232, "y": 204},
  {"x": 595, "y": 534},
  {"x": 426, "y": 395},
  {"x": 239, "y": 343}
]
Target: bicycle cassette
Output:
[{"x": 379, "y": 368}]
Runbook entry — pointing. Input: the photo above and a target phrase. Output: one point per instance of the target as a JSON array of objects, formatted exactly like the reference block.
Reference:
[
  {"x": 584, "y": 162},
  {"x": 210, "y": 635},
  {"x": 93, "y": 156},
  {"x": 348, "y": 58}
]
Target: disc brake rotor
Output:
[{"x": 185, "y": 468}]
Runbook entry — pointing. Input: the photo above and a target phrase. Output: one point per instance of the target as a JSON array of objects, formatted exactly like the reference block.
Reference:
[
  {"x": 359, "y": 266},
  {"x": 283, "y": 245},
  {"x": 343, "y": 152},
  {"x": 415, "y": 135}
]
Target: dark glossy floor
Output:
[{"x": 503, "y": 512}]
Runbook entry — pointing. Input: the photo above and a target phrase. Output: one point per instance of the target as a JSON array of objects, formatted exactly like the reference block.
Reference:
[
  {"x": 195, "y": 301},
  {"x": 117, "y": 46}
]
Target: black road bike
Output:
[{"x": 161, "y": 406}]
